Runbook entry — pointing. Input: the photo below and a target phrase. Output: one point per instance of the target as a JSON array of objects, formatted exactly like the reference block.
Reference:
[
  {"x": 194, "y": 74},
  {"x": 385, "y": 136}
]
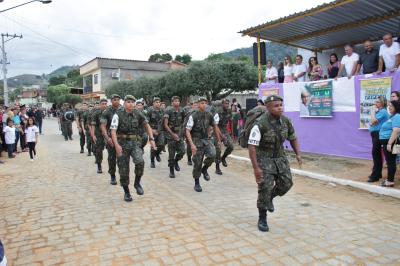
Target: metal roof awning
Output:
[{"x": 332, "y": 24}]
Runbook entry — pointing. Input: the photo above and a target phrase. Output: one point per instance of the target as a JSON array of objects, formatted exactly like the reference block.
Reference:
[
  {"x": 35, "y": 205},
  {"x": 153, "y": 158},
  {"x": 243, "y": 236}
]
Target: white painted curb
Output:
[{"x": 368, "y": 187}]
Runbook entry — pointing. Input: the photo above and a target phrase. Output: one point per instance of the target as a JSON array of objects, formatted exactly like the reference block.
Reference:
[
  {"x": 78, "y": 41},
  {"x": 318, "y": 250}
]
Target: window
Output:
[{"x": 96, "y": 78}]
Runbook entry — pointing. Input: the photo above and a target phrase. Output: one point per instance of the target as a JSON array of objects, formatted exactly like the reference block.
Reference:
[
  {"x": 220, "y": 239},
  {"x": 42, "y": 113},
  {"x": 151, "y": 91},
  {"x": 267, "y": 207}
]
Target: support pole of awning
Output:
[{"x": 259, "y": 59}]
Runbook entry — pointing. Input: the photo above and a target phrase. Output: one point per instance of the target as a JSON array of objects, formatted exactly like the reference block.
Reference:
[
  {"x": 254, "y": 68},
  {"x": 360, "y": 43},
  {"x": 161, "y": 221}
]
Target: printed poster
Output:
[
  {"x": 316, "y": 99},
  {"x": 264, "y": 93},
  {"x": 370, "y": 90}
]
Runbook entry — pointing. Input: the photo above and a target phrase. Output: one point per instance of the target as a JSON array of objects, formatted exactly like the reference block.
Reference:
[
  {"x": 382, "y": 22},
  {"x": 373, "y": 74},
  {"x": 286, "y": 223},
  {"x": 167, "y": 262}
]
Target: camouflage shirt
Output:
[
  {"x": 85, "y": 118},
  {"x": 200, "y": 122},
  {"x": 175, "y": 119},
  {"x": 107, "y": 116},
  {"x": 155, "y": 118},
  {"x": 224, "y": 118},
  {"x": 95, "y": 121},
  {"x": 128, "y": 123}
]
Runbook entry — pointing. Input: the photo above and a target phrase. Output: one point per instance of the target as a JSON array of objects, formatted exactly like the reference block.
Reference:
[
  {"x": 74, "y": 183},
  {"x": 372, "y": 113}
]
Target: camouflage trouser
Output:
[
  {"x": 112, "y": 160},
  {"x": 228, "y": 143},
  {"x": 132, "y": 149},
  {"x": 82, "y": 138},
  {"x": 88, "y": 140},
  {"x": 66, "y": 128},
  {"x": 175, "y": 147},
  {"x": 277, "y": 180},
  {"x": 205, "y": 148},
  {"x": 188, "y": 150},
  {"x": 145, "y": 138},
  {"x": 98, "y": 149},
  {"x": 160, "y": 143}
]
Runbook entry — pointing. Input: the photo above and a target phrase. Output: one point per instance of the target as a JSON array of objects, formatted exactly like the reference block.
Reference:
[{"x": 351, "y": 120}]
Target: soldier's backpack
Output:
[
  {"x": 252, "y": 116},
  {"x": 69, "y": 115}
]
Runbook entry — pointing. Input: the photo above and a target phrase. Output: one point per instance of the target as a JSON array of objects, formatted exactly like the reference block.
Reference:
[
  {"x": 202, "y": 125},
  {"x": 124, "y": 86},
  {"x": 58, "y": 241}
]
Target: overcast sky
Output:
[{"x": 68, "y": 32}]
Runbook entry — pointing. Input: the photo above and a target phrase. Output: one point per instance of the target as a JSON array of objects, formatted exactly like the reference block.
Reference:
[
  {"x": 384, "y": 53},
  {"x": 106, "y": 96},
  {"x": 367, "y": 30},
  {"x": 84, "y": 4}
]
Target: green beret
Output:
[
  {"x": 175, "y": 98},
  {"x": 273, "y": 98},
  {"x": 115, "y": 96},
  {"x": 103, "y": 100},
  {"x": 96, "y": 102},
  {"x": 156, "y": 99},
  {"x": 202, "y": 99},
  {"x": 130, "y": 97}
]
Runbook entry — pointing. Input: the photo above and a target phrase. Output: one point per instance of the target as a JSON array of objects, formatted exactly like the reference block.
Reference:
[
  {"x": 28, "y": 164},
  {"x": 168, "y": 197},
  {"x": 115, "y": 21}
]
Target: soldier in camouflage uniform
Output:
[
  {"x": 140, "y": 107},
  {"x": 173, "y": 121},
  {"x": 188, "y": 110},
  {"x": 66, "y": 125},
  {"x": 267, "y": 155},
  {"x": 199, "y": 138},
  {"x": 96, "y": 135},
  {"x": 105, "y": 120},
  {"x": 85, "y": 120},
  {"x": 125, "y": 133},
  {"x": 155, "y": 116},
  {"x": 79, "y": 125},
  {"x": 225, "y": 116}
]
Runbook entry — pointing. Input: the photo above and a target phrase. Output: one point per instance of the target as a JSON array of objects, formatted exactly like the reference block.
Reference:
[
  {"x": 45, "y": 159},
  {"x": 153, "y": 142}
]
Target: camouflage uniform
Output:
[
  {"x": 99, "y": 145},
  {"x": 155, "y": 118},
  {"x": 271, "y": 157},
  {"x": 79, "y": 115},
  {"x": 143, "y": 132},
  {"x": 188, "y": 111},
  {"x": 128, "y": 127},
  {"x": 66, "y": 125},
  {"x": 224, "y": 118},
  {"x": 85, "y": 119},
  {"x": 176, "y": 149},
  {"x": 202, "y": 121},
  {"x": 106, "y": 118}
]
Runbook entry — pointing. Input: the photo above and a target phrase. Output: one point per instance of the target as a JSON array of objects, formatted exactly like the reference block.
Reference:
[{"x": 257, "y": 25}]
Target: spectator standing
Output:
[
  {"x": 288, "y": 70},
  {"x": 271, "y": 73},
  {"x": 369, "y": 59},
  {"x": 333, "y": 66},
  {"x": 17, "y": 124},
  {"x": 388, "y": 134},
  {"x": 31, "y": 133},
  {"x": 281, "y": 73},
  {"x": 314, "y": 69},
  {"x": 38, "y": 115},
  {"x": 10, "y": 137},
  {"x": 379, "y": 115},
  {"x": 395, "y": 96},
  {"x": 24, "y": 120},
  {"x": 299, "y": 69},
  {"x": 389, "y": 54},
  {"x": 349, "y": 62}
]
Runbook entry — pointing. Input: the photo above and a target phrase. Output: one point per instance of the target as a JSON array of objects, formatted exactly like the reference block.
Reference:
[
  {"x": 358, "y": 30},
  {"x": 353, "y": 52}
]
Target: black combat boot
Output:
[
  {"x": 171, "y": 172},
  {"x": 197, "y": 186},
  {"x": 82, "y": 150},
  {"x": 113, "y": 180},
  {"x": 177, "y": 168},
  {"x": 270, "y": 205},
  {"x": 205, "y": 173},
  {"x": 65, "y": 138},
  {"x": 190, "y": 160},
  {"x": 137, "y": 186},
  {"x": 262, "y": 221},
  {"x": 70, "y": 138},
  {"x": 127, "y": 195},
  {"x": 152, "y": 164},
  {"x": 217, "y": 169},
  {"x": 223, "y": 161},
  {"x": 158, "y": 158},
  {"x": 89, "y": 153},
  {"x": 99, "y": 170}
]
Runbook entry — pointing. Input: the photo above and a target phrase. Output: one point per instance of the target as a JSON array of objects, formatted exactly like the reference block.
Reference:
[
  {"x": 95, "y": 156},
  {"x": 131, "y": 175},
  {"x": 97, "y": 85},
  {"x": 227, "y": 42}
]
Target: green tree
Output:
[
  {"x": 14, "y": 94},
  {"x": 57, "y": 80},
  {"x": 160, "y": 57},
  {"x": 55, "y": 91},
  {"x": 218, "y": 57},
  {"x": 68, "y": 98},
  {"x": 74, "y": 79},
  {"x": 185, "y": 58}
]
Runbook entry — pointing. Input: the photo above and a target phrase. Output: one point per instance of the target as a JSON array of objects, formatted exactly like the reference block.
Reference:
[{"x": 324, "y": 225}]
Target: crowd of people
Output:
[
  {"x": 371, "y": 61},
  {"x": 20, "y": 125}
]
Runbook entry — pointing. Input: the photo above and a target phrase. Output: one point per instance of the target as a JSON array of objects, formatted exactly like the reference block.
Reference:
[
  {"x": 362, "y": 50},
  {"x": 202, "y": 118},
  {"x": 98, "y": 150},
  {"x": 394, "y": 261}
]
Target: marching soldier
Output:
[
  {"x": 225, "y": 116},
  {"x": 267, "y": 155},
  {"x": 140, "y": 107},
  {"x": 155, "y": 116},
  {"x": 198, "y": 136},
  {"x": 105, "y": 120},
  {"x": 96, "y": 135},
  {"x": 66, "y": 119},
  {"x": 125, "y": 133},
  {"x": 85, "y": 120},
  {"x": 188, "y": 111},
  {"x": 80, "y": 126},
  {"x": 173, "y": 121}
]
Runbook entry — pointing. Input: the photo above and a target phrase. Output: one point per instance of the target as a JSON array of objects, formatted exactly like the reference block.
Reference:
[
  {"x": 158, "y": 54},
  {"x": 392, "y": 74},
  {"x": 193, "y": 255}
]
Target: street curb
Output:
[{"x": 344, "y": 182}]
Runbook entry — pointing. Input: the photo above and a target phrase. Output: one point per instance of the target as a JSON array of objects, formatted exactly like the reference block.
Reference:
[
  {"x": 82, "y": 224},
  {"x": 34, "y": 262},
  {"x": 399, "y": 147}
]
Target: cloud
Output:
[{"x": 68, "y": 32}]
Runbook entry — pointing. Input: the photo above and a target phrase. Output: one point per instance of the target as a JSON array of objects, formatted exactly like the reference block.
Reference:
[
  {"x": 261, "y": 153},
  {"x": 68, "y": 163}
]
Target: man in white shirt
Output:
[
  {"x": 299, "y": 69},
  {"x": 349, "y": 62},
  {"x": 271, "y": 74},
  {"x": 389, "y": 54}
]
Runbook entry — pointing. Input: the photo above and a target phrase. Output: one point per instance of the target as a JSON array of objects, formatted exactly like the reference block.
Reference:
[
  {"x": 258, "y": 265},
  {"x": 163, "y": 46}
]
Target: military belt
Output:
[{"x": 129, "y": 137}]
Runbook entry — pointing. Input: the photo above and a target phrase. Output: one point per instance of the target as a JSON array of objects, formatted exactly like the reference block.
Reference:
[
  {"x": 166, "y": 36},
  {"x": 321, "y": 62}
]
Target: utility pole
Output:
[{"x": 5, "y": 37}]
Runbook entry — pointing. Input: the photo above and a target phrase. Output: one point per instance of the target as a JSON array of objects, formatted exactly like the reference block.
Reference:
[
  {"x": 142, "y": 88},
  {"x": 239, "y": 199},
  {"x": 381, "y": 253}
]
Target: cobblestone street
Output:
[{"x": 58, "y": 211}]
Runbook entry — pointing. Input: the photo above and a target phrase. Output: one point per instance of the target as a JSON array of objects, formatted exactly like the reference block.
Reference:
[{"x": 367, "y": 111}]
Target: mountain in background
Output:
[
  {"x": 26, "y": 80},
  {"x": 61, "y": 71},
  {"x": 275, "y": 52}
]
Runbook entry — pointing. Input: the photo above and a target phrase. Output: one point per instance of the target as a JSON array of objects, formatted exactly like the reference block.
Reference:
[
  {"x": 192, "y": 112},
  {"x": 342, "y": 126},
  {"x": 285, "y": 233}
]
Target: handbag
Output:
[{"x": 396, "y": 147}]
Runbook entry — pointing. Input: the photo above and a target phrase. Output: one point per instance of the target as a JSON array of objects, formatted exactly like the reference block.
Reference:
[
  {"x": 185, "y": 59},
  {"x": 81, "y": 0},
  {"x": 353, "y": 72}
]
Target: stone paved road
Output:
[{"x": 58, "y": 211}]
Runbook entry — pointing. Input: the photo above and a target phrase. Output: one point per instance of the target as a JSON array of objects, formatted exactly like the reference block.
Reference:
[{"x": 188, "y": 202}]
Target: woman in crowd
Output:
[
  {"x": 395, "y": 96},
  {"x": 281, "y": 73},
  {"x": 333, "y": 66},
  {"x": 314, "y": 69},
  {"x": 379, "y": 115},
  {"x": 388, "y": 135},
  {"x": 288, "y": 70}
]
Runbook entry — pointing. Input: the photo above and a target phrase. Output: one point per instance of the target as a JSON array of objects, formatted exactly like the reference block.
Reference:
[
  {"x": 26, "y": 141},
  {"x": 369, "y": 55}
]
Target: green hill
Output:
[{"x": 61, "y": 71}]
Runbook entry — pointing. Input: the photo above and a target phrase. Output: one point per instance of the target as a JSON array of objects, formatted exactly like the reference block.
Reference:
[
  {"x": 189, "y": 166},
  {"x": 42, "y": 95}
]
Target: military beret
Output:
[
  {"x": 96, "y": 102},
  {"x": 113, "y": 96},
  {"x": 129, "y": 97},
  {"x": 91, "y": 105},
  {"x": 202, "y": 99},
  {"x": 103, "y": 100},
  {"x": 273, "y": 98},
  {"x": 156, "y": 99},
  {"x": 175, "y": 98}
]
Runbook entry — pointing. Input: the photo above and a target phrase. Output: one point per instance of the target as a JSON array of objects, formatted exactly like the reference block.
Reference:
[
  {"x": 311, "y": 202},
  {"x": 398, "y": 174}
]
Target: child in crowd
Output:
[
  {"x": 31, "y": 135},
  {"x": 9, "y": 136}
]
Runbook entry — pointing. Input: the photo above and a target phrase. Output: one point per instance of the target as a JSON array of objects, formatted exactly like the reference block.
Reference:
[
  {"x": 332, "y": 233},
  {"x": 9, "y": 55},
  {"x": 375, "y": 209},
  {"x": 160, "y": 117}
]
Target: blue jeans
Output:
[{"x": 10, "y": 149}]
